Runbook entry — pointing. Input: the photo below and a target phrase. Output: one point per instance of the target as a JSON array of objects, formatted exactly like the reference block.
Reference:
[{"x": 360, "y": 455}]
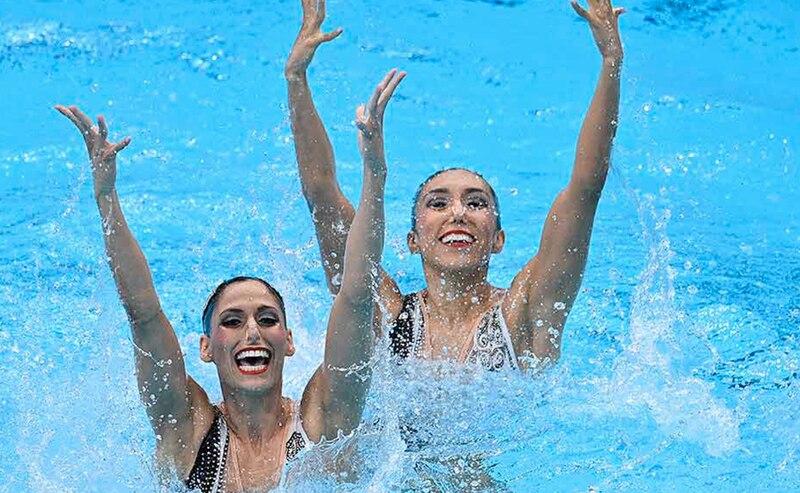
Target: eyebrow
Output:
[
  {"x": 476, "y": 190},
  {"x": 437, "y": 190},
  {"x": 447, "y": 190},
  {"x": 260, "y": 308}
]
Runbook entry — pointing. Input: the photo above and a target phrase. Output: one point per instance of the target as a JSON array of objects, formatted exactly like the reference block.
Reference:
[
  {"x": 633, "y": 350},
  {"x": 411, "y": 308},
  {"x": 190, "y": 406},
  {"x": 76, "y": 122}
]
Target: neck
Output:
[
  {"x": 455, "y": 294},
  {"x": 254, "y": 418}
]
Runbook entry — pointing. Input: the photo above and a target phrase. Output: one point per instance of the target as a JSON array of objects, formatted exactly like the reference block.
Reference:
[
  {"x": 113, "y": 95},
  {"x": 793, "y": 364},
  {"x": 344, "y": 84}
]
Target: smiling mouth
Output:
[
  {"x": 253, "y": 361},
  {"x": 457, "y": 239}
]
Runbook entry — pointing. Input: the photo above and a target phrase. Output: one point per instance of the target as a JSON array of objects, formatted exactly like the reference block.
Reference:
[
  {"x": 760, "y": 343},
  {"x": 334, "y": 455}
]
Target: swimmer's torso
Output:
[
  {"x": 220, "y": 466},
  {"x": 488, "y": 345}
]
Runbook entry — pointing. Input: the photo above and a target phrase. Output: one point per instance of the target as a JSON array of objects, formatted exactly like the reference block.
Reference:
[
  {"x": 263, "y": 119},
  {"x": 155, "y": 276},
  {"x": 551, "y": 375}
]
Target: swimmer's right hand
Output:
[
  {"x": 309, "y": 38},
  {"x": 102, "y": 153}
]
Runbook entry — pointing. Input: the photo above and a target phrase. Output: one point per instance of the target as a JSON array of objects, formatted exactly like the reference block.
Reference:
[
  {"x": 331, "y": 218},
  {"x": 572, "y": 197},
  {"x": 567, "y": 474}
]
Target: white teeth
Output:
[
  {"x": 253, "y": 368},
  {"x": 457, "y": 237},
  {"x": 253, "y": 353}
]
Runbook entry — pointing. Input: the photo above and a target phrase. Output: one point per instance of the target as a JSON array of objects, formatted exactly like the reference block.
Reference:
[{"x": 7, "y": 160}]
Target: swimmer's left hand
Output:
[
  {"x": 369, "y": 119},
  {"x": 603, "y": 20}
]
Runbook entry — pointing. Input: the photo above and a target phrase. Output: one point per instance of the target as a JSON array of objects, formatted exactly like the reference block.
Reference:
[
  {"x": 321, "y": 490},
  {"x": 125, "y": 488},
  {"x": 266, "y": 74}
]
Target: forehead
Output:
[
  {"x": 456, "y": 182},
  {"x": 245, "y": 294}
]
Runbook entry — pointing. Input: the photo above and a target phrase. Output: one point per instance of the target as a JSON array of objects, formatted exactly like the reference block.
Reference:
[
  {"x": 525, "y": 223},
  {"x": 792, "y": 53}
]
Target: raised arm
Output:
[
  {"x": 334, "y": 399},
  {"x": 166, "y": 393},
  {"x": 542, "y": 295},
  {"x": 330, "y": 210}
]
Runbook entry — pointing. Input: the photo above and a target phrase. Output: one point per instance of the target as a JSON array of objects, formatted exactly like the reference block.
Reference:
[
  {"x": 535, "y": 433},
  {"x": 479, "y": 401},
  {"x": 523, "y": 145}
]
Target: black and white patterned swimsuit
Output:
[
  {"x": 490, "y": 346},
  {"x": 208, "y": 472}
]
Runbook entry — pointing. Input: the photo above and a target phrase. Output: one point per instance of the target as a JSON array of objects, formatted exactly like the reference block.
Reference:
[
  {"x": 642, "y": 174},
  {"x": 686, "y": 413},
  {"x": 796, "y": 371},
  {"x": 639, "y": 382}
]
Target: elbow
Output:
[{"x": 590, "y": 185}]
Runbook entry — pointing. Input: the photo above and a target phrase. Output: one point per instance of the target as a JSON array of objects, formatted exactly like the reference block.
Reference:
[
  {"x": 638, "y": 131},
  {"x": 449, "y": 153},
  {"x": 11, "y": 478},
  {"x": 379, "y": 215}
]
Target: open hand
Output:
[
  {"x": 369, "y": 119},
  {"x": 603, "y": 20},
  {"x": 309, "y": 38},
  {"x": 102, "y": 153}
]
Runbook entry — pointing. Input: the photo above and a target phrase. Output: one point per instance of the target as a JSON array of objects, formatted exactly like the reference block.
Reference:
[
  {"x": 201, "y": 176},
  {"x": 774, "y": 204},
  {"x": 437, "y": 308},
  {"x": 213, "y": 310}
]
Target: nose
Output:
[
  {"x": 458, "y": 209},
  {"x": 252, "y": 333}
]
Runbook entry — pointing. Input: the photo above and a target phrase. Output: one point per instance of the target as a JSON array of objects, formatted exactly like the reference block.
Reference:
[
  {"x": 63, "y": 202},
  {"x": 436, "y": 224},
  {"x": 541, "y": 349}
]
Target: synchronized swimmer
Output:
[
  {"x": 456, "y": 228},
  {"x": 243, "y": 443}
]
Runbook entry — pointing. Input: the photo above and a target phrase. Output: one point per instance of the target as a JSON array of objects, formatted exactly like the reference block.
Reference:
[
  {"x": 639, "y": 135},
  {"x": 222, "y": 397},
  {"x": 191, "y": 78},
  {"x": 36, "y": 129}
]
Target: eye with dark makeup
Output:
[
  {"x": 476, "y": 202},
  {"x": 268, "y": 318},
  {"x": 231, "y": 320},
  {"x": 437, "y": 202}
]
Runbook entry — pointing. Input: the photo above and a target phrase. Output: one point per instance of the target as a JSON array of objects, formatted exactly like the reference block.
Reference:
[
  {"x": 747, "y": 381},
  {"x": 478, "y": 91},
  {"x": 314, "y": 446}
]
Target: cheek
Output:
[
  {"x": 221, "y": 340},
  {"x": 487, "y": 220},
  {"x": 427, "y": 224}
]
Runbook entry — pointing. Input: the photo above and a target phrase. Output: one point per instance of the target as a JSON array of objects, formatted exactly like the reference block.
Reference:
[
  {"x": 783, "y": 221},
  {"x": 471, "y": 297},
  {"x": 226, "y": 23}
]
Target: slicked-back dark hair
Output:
[
  {"x": 212, "y": 301},
  {"x": 428, "y": 180}
]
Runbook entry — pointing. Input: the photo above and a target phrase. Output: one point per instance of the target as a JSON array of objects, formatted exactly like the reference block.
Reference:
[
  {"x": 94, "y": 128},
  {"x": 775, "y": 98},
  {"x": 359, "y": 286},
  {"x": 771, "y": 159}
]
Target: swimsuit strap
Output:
[
  {"x": 208, "y": 472},
  {"x": 298, "y": 440},
  {"x": 404, "y": 334}
]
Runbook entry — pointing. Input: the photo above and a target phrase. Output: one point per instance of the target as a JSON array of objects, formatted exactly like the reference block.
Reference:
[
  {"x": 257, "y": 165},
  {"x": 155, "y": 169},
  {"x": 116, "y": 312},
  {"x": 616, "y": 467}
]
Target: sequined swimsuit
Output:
[
  {"x": 489, "y": 347},
  {"x": 208, "y": 472}
]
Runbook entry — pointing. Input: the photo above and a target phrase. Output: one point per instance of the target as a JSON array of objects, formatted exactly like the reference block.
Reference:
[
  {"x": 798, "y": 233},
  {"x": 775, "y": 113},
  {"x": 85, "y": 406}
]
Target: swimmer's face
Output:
[
  {"x": 456, "y": 222},
  {"x": 249, "y": 339}
]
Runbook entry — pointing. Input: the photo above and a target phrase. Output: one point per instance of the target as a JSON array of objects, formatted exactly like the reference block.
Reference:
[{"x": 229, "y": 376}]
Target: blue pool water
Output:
[{"x": 681, "y": 357}]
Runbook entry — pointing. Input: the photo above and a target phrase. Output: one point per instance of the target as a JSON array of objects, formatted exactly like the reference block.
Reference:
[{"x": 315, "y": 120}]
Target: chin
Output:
[
  {"x": 461, "y": 263},
  {"x": 260, "y": 388},
  {"x": 248, "y": 384}
]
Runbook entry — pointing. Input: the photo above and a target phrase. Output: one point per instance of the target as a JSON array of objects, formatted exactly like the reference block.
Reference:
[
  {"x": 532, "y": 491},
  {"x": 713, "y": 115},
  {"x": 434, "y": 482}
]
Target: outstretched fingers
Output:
[
  {"x": 102, "y": 127},
  {"x": 313, "y": 13},
  {"x": 388, "y": 91},
  {"x": 74, "y": 119},
  {"x": 374, "y": 101},
  {"x": 330, "y": 36},
  {"x": 122, "y": 144},
  {"x": 85, "y": 121},
  {"x": 580, "y": 10},
  {"x": 361, "y": 119},
  {"x": 320, "y": 4}
]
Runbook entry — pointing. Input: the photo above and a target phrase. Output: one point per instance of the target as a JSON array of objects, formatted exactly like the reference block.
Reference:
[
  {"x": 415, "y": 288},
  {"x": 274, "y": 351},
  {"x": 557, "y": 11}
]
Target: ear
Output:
[
  {"x": 290, "y": 348},
  {"x": 499, "y": 241},
  {"x": 205, "y": 348},
  {"x": 411, "y": 241}
]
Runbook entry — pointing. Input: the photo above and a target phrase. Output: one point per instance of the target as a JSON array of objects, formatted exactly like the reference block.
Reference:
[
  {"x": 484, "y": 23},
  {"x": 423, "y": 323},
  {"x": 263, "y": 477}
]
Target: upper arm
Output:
[
  {"x": 176, "y": 405},
  {"x": 334, "y": 397},
  {"x": 542, "y": 294}
]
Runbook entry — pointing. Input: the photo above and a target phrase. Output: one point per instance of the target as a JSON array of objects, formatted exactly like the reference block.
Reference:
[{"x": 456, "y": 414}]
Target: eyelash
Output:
[
  {"x": 263, "y": 320},
  {"x": 438, "y": 203},
  {"x": 476, "y": 203},
  {"x": 268, "y": 321},
  {"x": 472, "y": 203}
]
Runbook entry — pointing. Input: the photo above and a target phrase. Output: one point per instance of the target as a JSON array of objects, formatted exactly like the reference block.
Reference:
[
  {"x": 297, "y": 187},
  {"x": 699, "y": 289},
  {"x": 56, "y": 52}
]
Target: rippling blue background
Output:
[{"x": 680, "y": 366}]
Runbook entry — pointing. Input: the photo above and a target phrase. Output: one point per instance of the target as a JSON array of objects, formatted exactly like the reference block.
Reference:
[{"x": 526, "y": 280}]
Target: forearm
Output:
[
  {"x": 315, "y": 158},
  {"x": 349, "y": 339},
  {"x": 364, "y": 249},
  {"x": 127, "y": 262},
  {"x": 593, "y": 151},
  {"x": 331, "y": 212}
]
